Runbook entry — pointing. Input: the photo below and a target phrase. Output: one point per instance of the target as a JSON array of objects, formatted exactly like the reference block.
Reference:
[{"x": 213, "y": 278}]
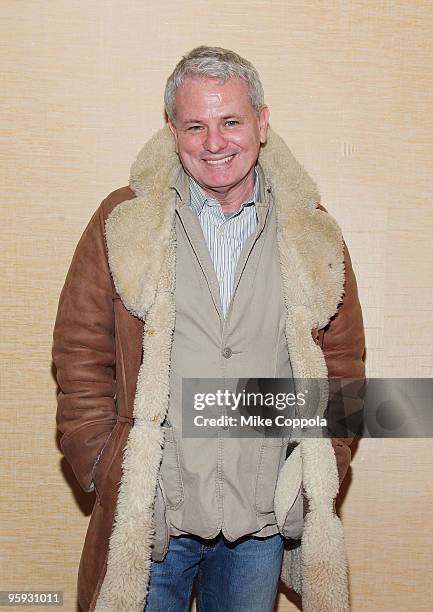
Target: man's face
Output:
[{"x": 218, "y": 133}]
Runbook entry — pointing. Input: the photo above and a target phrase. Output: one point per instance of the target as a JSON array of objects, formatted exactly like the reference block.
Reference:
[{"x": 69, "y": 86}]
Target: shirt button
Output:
[
  {"x": 227, "y": 352},
  {"x": 220, "y": 279}
]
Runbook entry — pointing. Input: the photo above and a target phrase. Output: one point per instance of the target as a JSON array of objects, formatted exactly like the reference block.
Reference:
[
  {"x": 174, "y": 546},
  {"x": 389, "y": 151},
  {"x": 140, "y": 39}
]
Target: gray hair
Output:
[{"x": 214, "y": 63}]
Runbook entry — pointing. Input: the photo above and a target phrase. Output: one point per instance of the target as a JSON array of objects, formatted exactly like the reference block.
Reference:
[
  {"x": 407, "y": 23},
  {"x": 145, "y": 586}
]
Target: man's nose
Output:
[{"x": 215, "y": 140}]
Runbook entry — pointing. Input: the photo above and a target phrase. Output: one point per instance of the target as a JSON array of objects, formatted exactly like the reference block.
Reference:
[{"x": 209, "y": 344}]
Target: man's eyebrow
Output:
[{"x": 232, "y": 116}]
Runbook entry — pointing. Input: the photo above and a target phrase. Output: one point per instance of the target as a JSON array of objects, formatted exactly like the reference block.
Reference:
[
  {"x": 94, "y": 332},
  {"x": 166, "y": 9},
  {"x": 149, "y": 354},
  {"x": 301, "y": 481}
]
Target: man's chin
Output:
[{"x": 218, "y": 187}]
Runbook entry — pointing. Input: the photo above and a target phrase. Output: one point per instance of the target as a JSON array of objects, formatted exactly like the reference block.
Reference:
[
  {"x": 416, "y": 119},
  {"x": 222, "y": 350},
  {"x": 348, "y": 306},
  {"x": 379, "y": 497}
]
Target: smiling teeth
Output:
[{"x": 215, "y": 162}]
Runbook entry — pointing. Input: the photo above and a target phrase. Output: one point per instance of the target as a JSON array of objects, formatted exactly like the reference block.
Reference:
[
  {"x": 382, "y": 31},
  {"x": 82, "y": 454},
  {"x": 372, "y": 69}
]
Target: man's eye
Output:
[
  {"x": 232, "y": 122},
  {"x": 194, "y": 128}
]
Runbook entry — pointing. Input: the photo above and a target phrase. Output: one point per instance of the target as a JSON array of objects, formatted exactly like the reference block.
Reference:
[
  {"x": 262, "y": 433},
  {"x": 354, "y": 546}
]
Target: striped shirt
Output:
[{"x": 225, "y": 234}]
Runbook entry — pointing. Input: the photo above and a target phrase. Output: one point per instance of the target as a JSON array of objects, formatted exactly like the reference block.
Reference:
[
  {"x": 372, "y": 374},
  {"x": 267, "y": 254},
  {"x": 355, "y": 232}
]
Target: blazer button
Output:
[{"x": 227, "y": 352}]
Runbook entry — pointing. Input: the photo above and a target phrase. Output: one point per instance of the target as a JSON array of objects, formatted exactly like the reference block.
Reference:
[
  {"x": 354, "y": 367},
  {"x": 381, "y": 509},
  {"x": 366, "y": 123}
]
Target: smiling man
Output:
[
  {"x": 216, "y": 262},
  {"x": 218, "y": 135}
]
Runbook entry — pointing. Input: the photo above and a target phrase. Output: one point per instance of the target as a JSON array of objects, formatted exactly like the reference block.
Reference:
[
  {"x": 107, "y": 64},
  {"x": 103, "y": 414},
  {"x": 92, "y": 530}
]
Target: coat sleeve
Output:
[
  {"x": 84, "y": 354},
  {"x": 343, "y": 346}
]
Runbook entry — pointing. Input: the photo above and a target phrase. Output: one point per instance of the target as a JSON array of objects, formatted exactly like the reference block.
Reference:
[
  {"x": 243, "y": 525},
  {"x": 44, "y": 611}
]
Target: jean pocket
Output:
[{"x": 171, "y": 472}]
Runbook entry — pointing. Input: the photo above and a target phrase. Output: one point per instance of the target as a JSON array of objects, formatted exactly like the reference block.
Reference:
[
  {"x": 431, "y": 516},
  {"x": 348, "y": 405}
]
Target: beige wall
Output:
[{"x": 349, "y": 86}]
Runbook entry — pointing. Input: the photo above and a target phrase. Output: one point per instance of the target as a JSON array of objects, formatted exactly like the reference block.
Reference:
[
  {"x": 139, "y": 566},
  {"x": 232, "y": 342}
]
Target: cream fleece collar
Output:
[
  {"x": 157, "y": 162},
  {"x": 138, "y": 230}
]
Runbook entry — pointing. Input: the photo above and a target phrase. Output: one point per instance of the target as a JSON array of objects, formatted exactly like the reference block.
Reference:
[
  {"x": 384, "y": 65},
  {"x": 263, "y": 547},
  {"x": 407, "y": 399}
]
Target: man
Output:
[{"x": 216, "y": 262}]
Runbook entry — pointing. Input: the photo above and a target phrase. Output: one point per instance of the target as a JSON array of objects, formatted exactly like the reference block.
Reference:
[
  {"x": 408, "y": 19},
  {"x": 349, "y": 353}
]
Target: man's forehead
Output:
[
  {"x": 212, "y": 86},
  {"x": 227, "y": 97},
  {"x": 215, "y": 95}
]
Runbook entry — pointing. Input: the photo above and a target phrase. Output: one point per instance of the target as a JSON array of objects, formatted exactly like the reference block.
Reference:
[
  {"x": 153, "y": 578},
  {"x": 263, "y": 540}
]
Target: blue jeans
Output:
[{"x": 239, "y": 576}]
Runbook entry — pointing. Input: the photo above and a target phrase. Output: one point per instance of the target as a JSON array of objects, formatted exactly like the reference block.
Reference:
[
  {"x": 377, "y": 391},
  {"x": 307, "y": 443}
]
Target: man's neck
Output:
[{"x": 231, "y": 199}]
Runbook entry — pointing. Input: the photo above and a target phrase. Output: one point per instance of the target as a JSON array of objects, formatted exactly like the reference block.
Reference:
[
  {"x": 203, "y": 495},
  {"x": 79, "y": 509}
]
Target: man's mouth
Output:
[{"x": 219, "y": 162}]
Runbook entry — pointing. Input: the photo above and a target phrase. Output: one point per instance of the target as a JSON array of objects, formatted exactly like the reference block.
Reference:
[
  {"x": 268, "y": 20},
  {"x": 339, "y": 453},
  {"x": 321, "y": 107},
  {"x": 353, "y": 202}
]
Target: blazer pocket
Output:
[
  {"x": 294, "y": 521},
  {"x": 271, "y": 457},
  {"x": 162, "y": 528},
  {"x": 288, "y": 499},
  {"x": 170, "y": 471}
]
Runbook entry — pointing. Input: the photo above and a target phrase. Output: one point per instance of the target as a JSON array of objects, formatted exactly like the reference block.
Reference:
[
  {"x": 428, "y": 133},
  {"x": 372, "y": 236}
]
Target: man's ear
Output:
[
  {"x": 263, "y": 123},
  {"x": 173, "y": 131}
]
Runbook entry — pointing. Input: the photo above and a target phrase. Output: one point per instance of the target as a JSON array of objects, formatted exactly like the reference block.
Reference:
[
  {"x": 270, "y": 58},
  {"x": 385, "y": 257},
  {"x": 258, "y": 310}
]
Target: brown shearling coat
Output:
[{"x": 113, "y": 329}]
